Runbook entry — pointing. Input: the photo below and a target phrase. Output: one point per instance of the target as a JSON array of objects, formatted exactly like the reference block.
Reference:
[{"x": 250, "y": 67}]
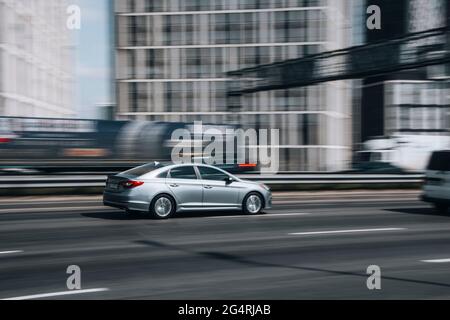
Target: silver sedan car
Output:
[{"x": 163, "y": 190}]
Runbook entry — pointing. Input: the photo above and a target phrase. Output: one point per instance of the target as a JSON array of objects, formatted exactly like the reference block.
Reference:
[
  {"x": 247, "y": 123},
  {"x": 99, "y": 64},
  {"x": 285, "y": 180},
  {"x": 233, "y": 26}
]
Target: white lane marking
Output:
[
  {"x": 344, "y": 231},
  {"x": 29, "y": 210},
  {"x": 56, "y": 294},
  {"x": 343, "y": 201},
  {"x": 436, "y": 261},
  {"x": 11, "y": 252},
  {"x": 284, "y": 214}
]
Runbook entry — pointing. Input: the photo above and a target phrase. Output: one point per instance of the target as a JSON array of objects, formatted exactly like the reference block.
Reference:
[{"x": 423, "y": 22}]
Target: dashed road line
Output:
[
  {"x": 437, "y": 261},
  {"x": 10, "y": 252},
  {"x": 344, "y": 231},
  {"x": 57, "y": 294}
]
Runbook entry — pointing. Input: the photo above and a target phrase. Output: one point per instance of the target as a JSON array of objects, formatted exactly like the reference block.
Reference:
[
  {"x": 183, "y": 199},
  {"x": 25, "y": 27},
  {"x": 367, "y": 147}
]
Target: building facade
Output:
[
  {"x": 414, "y": 102},
  {"x": 36, "y": 66},
  {"x": 416, "y": 107},
  {"x": 172, "y": 57}
]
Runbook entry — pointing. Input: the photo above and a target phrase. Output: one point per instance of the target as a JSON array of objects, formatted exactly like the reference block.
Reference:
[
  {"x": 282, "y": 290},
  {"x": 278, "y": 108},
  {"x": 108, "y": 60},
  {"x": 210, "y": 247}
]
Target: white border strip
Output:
[{"x": 56, "y": 294}]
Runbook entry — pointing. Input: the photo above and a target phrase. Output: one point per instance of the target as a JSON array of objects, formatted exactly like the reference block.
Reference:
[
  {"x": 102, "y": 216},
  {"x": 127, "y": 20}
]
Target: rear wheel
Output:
[
  {"x": 253, "y": 203},
  {"x": 162, "y": 207},
  {"x": 440, "y": 207}
]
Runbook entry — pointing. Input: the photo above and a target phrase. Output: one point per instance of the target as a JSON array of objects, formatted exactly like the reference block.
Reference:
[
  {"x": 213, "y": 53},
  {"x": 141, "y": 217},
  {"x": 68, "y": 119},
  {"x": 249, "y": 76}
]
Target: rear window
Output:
[
  {"x": 440, "y": 161},
  {"x": 146, "y": 168},
  {"x": 187, "y": 173}
]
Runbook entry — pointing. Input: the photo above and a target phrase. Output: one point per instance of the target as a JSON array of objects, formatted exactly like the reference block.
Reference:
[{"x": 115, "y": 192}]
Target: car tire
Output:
[
  {"x": 253, "y": 204},
  {"x": 162, "y": 207},
  {"x": 441, "y": 208}
]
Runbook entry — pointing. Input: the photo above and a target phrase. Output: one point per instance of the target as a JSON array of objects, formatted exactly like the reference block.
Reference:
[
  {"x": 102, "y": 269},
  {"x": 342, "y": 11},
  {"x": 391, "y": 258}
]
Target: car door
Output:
[
  {"x": 216, "y": 191},
  {"x": 185, "y": 186},
  {"x": 438, "y": 176}
]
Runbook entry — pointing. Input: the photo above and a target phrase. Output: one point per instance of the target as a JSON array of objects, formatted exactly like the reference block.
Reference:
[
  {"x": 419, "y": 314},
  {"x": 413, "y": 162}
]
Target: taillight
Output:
[
  {"x": 130, "y": 184},
  {"x": 5, "y": 140}
]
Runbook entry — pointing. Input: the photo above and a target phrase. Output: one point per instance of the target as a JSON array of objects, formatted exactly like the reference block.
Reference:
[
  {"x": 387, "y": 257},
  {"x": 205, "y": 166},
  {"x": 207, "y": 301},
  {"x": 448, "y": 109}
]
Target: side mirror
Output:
[{"x": 229, "y": 180}]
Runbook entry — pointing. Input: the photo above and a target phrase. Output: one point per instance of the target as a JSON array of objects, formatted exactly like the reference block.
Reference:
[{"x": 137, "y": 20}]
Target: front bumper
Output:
[
  {"x": 268, "y": 200},
  {"x": 429, "y": 199}
]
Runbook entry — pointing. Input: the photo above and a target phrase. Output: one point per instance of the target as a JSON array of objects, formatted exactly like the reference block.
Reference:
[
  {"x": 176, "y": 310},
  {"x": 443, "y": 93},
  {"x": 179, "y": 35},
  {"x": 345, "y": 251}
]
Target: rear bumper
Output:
[
  {"x": 123, "y": 202},
  {"x": 429, "y": 199},
  {"x": 118, "y": 205}
]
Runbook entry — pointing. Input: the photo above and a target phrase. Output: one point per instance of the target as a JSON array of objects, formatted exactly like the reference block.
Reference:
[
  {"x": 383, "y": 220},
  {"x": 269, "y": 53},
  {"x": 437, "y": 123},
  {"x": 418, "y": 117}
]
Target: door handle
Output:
[
  {"x": 208, "y": 187},
  {"x": 174, "y": 185}
]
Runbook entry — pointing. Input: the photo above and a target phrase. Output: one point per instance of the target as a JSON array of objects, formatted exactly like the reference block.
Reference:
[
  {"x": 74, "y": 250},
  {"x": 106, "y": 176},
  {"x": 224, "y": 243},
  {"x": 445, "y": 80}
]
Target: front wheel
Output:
[
  {"x": 253, "y": 203},
  {"x": 162, "y": 207}
]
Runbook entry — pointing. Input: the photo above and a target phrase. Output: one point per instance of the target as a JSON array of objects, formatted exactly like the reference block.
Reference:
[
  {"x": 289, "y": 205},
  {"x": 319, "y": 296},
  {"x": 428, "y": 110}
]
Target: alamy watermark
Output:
[
  {"x": 74, "y": 280},
  {"x": 210, "y": 145},
  {"x": 73, "y": 21},
  {"x": 374, "y": 279},
  {"x": 374, "y": 20}
]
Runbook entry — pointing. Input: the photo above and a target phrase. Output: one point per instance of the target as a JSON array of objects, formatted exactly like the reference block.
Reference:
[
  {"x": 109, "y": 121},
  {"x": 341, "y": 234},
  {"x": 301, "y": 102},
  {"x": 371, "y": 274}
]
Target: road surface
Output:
[{"x": 309, "y": 246}]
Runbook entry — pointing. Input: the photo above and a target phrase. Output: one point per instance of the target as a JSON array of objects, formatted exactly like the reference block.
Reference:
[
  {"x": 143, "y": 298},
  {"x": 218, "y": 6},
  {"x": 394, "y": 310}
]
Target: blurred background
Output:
[{"x": 345, "y": 97}]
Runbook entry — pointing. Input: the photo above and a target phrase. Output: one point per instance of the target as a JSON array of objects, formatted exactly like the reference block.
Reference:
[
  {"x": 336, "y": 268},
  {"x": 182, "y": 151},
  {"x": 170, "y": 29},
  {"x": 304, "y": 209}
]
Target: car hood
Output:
[{"x": 250, "y": 182}]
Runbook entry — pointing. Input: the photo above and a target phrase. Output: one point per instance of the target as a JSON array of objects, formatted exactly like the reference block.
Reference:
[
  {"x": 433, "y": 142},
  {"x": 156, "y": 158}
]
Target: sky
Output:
[{"x": 92, "y": 69}]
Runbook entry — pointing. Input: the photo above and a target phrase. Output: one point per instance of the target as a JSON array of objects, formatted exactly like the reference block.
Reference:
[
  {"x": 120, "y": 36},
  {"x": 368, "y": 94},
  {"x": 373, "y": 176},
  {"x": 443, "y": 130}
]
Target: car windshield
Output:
[
  {"x": 146, "y": 168},
  {"x": 440, "y": 161}
]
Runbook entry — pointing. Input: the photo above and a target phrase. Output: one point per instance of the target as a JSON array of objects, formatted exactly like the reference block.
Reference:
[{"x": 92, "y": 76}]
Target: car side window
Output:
[
  {"x": 187, "y": 172},
  {"x": 163, "y": 174},
  {"x": 212, "y": 174},
  {"x": 439, "y": 161}
]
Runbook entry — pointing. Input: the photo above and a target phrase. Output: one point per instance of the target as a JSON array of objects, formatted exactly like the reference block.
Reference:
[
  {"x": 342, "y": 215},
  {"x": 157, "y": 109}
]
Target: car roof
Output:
[
  {"x": 189, "y": 164},
  {"x": 171, "y": 166},
  {"x": 441, "y": 151}
]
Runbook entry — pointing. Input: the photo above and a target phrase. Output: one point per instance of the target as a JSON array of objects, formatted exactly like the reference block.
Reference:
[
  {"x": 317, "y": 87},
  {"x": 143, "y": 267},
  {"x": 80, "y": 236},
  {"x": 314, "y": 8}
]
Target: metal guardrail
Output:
[
  {"x": 73, "y": 181},
  {"x": 329, "y": 179}
]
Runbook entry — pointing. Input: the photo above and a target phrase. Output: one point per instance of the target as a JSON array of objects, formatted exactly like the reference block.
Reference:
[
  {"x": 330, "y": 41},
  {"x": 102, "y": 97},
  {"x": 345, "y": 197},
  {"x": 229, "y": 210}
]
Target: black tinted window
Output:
[
  {"x": 212, "y": 174},
  {"x": 183, "y": 173},
  {"x": 163, "y": 174},
  {"x": 440, "y": 161},
  {"x": 146, "y": 168}
]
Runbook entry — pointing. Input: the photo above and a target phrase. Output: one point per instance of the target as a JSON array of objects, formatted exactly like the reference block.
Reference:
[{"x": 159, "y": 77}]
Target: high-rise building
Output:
[
  {"x": 36, "y": 67},
  {"x": 413, "y": 102},
  {"x": 172, "y": 57}
]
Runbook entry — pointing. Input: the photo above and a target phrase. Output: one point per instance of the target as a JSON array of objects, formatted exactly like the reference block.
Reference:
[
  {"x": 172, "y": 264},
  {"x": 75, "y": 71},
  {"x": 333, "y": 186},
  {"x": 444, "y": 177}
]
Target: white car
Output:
[
  {"x": 436, "y": 189},
  {"x": 163, "y": 190}
]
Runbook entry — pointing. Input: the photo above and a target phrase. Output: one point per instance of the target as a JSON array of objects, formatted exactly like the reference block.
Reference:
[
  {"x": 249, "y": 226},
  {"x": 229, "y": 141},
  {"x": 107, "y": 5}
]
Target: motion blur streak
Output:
[{"x": 357, "y": 100}]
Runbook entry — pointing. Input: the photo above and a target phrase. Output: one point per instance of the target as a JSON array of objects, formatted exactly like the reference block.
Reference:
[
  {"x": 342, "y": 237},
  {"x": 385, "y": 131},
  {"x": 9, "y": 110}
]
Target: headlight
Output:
[{"x": 264, "y": 186}]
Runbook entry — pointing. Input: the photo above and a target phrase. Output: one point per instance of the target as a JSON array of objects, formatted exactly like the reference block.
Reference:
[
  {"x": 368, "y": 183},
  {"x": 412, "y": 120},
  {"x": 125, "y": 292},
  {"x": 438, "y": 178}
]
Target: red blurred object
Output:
[
  {"x": 5, "y": 140},
  {"x": 130, "y": 184},
  {"x": 247, "y": 165}
]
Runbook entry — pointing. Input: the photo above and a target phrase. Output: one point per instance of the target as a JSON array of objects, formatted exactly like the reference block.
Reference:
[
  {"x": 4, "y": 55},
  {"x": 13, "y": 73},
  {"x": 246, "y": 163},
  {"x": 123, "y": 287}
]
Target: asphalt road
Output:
[{"x": 310, "y": 246}]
